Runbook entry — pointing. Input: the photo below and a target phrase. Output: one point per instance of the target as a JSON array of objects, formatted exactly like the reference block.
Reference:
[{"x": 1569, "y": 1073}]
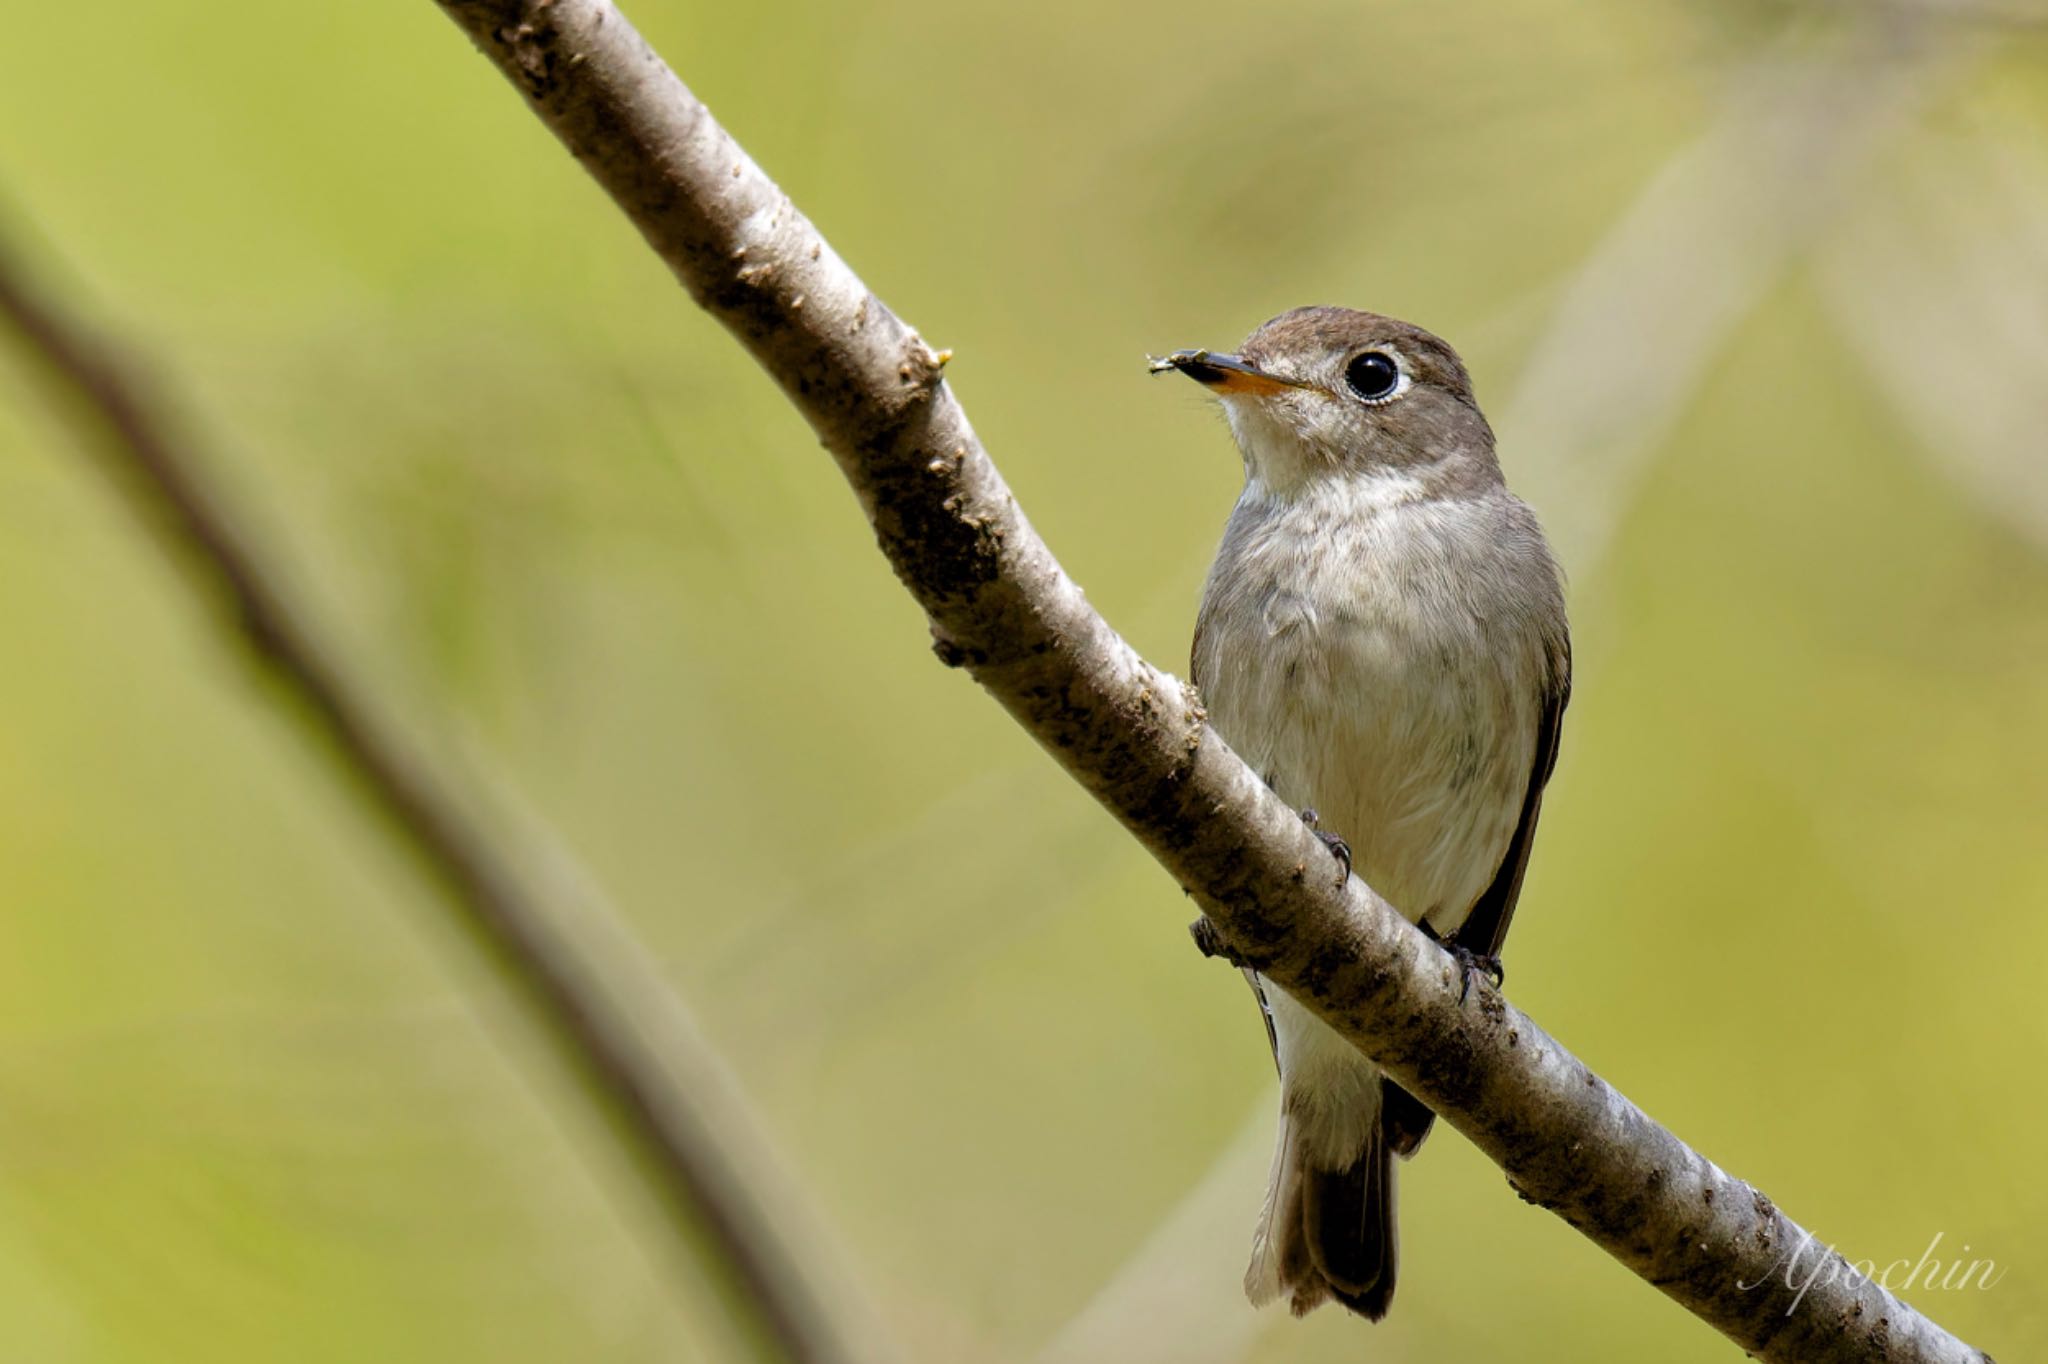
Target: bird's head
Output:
[{"x": 1332, "y": 392}]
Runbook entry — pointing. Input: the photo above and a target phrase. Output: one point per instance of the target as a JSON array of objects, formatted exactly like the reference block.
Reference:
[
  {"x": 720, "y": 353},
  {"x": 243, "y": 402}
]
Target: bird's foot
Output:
[
  {"x": 1210, "y": 942},
  {"x": 1470, "y": 963},
  {"x": 1339, "y": 849}
]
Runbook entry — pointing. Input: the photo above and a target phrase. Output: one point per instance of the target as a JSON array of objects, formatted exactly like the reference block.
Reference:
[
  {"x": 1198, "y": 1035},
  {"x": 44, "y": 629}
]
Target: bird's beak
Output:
[{"x": 1224, "y": 373}]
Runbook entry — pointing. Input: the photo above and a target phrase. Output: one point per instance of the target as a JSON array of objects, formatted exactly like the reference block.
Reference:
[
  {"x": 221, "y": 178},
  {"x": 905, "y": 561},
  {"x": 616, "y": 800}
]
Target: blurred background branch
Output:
[
  {"x": 1144, "y": 1313},
  {"x": 1640, "y": 325},
  {"x": 1941, "y": 295},
  {"x": 601, "y": 1001}
]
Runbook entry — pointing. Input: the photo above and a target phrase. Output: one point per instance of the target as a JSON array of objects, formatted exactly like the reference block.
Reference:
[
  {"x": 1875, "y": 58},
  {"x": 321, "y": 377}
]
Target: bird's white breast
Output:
[{"x": 1347, "y": 652}]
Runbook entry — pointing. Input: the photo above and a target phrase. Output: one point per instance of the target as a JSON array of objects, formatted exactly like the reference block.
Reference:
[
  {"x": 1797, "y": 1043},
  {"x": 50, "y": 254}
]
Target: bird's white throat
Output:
[{"x": 1280, "y": 464}]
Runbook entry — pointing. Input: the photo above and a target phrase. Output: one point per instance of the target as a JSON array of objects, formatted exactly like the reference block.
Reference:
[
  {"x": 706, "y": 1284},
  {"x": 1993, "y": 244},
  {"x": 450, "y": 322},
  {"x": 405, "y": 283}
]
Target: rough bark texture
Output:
[{"x": 1001, "y": 608}]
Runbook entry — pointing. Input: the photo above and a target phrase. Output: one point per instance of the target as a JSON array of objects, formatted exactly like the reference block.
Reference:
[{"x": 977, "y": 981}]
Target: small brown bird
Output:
[{"x": 1383, "y": 638}]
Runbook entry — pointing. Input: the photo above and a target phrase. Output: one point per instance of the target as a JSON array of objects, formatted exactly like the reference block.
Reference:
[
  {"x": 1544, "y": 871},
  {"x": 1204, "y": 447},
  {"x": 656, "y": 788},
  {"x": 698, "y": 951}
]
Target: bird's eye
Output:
[{"x": 1373, "y": 376}]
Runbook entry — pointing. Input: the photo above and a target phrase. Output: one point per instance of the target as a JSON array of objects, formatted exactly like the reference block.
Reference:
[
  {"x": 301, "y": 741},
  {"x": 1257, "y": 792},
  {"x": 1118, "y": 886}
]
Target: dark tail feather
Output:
[
  {"x": 1326, "y": 1233},
  {"x": 1348, "y": 1225}
]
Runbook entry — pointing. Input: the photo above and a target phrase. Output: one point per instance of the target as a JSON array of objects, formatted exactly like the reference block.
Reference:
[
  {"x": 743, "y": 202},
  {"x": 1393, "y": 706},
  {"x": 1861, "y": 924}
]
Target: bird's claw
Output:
[
  {"x": 1470, "y": 963},
  {"x": 1210, "y": 943},
  {"x": 1339, "y": 849}
]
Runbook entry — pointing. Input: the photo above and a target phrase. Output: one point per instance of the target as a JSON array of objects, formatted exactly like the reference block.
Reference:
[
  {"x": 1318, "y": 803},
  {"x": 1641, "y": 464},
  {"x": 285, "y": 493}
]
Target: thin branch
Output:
[
  {"x": 1133, "y": 736},
  {"x": 600, "y": 997}
]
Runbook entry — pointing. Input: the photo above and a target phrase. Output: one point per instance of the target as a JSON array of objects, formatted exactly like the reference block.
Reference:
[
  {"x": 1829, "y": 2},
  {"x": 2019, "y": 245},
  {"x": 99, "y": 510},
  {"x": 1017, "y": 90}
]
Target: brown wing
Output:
[
  {"x": 1486, "y": 927},
  {"x": 1404, "y": 1118}
]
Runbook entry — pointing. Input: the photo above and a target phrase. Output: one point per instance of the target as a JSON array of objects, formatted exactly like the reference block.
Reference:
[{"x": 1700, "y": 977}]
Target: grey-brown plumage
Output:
[{"x": 1383, "y": 638}]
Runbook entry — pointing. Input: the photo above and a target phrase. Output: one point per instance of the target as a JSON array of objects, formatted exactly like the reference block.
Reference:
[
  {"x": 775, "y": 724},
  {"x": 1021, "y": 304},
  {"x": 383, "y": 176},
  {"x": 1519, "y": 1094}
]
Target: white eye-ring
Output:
[{"x": 1376, "y": 377}]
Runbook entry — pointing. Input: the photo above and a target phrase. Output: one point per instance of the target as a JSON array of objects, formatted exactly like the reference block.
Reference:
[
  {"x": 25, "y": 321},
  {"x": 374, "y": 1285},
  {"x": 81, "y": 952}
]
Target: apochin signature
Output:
[{"x": 1828, "y": 1267}]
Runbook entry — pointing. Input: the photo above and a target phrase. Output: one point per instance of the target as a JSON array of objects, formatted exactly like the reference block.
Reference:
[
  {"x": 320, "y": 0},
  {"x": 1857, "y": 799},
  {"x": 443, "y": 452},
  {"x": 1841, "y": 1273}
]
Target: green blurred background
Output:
[{"x": 1756, "y": 294}]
